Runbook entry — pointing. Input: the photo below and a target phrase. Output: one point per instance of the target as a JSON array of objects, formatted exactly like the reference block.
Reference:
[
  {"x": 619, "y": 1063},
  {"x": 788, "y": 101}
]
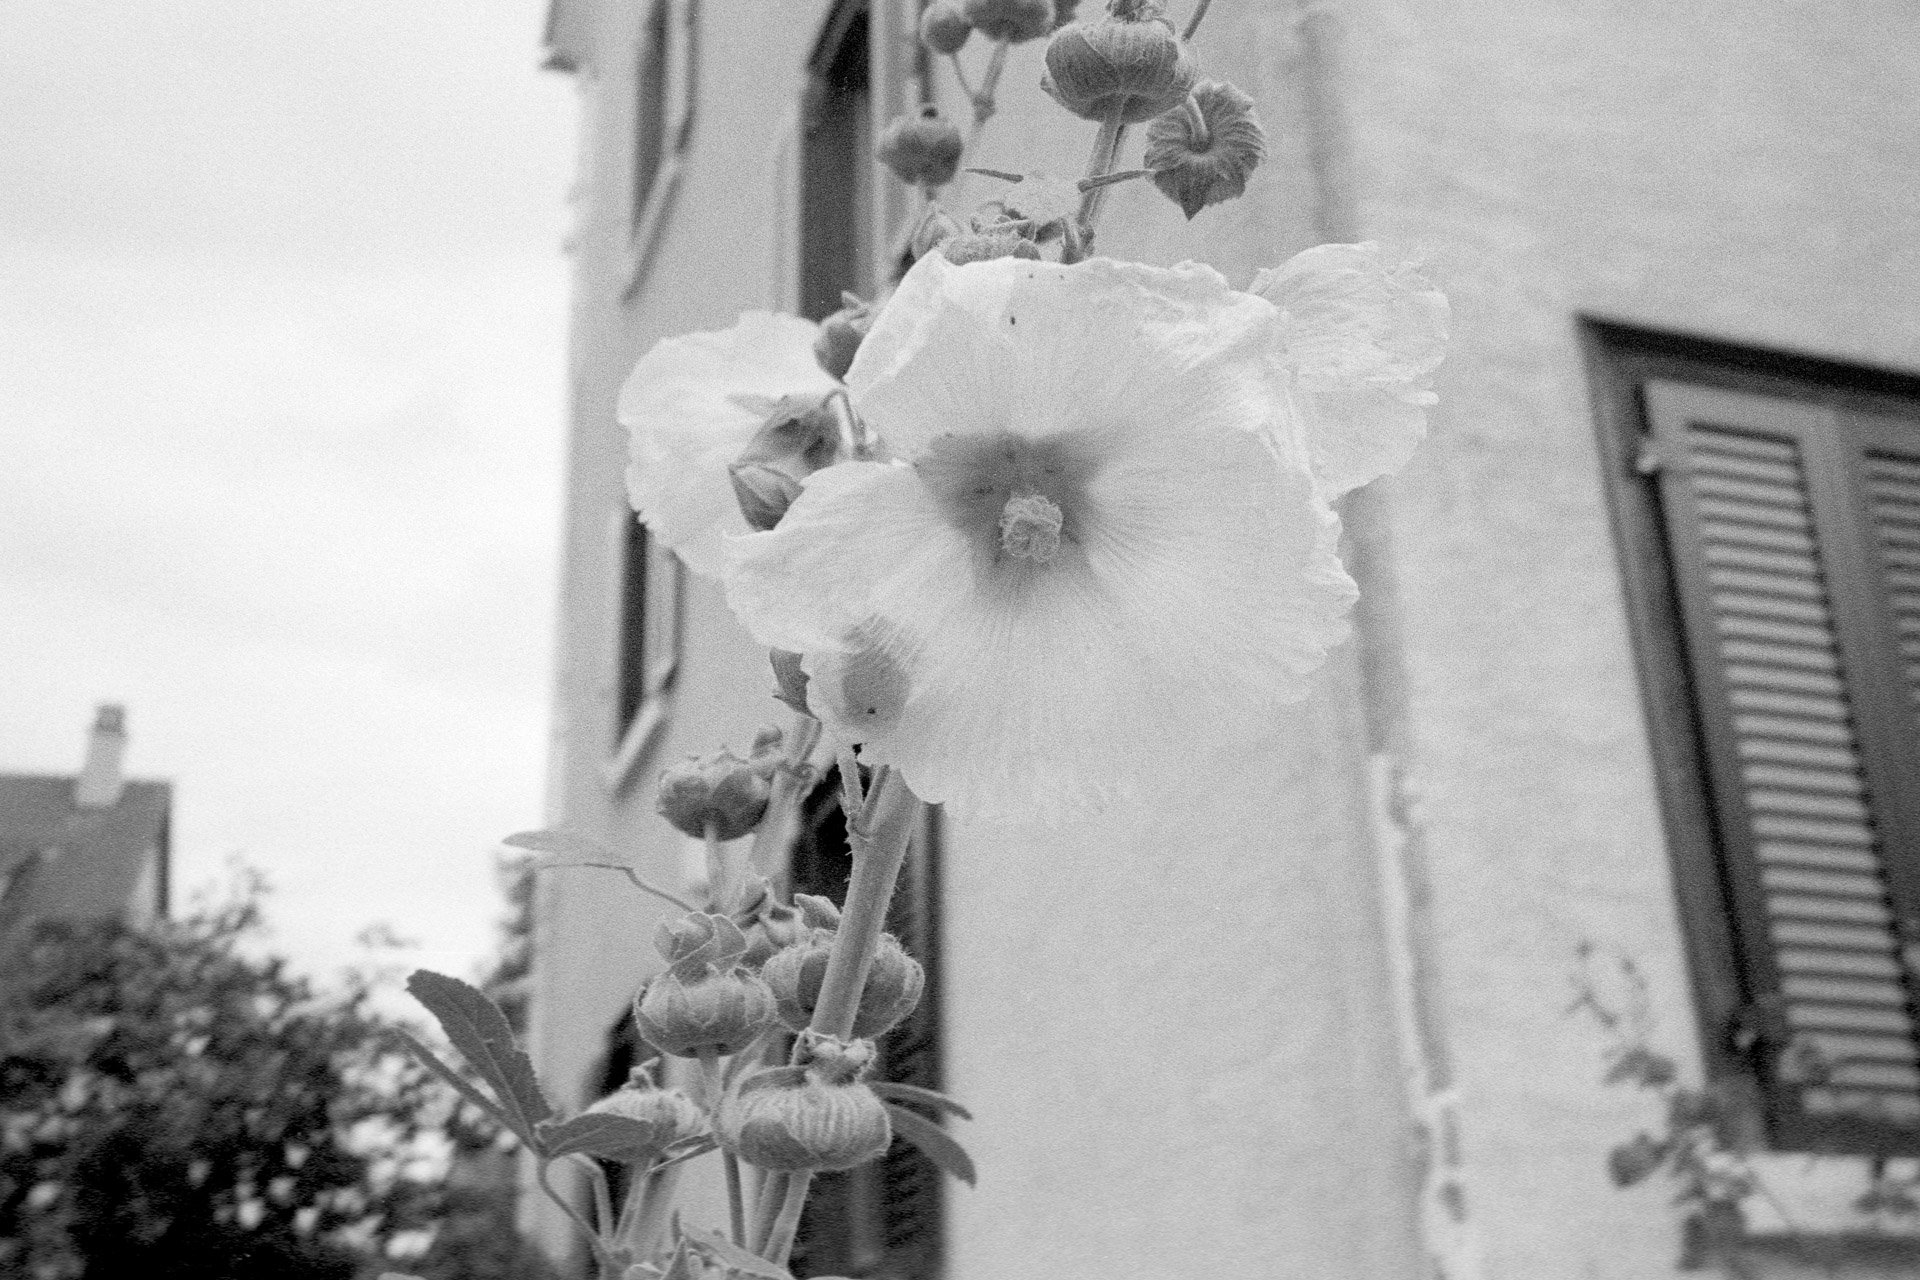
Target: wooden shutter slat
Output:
[
  {"x": 1802, "y": 804},
  {"x": 1786, "y": 852},
  {"x": 1845, "y": 990},
  {"x": 1760, "y": 776},
  {"x": 1832, "y": 883},
  {"x": 1781, "y": 606},
  {"x": 1858, "y": 964},
  {"x": 1769, "y": 699}
]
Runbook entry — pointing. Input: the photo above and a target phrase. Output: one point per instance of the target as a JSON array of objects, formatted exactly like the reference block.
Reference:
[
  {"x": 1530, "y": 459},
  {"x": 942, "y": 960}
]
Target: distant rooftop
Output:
[{"x": 89, "y": 846}]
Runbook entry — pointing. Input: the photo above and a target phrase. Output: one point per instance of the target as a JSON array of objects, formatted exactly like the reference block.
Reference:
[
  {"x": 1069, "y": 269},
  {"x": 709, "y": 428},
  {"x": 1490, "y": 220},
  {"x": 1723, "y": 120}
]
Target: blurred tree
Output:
[{"x": 173, "y": 1106}]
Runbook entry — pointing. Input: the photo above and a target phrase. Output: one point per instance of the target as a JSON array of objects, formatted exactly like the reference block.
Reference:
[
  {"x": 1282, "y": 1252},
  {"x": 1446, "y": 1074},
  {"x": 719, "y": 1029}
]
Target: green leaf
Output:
[
  {"x": 719, "y": 1249},
  {"x": 932, "y": 1141},
  {"x": 432, "y": 1062},
  {"x": 596, "y": 1133},
  {"x": 893, "y": 1092},
  {"x": 480, "y": 1032}
]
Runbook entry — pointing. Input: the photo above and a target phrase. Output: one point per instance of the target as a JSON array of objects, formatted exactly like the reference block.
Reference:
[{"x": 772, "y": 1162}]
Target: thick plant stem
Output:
[{"x": 878, "y": 838}]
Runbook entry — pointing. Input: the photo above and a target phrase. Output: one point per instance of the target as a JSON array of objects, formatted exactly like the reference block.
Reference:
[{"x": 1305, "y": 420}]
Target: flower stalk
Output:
[{"x": 1106, "y": 152}]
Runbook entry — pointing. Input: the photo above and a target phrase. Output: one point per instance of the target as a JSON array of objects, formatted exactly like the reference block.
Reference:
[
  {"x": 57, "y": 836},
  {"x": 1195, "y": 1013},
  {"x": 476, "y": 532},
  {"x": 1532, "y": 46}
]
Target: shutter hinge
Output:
[{"x": 1653, "y": 455}]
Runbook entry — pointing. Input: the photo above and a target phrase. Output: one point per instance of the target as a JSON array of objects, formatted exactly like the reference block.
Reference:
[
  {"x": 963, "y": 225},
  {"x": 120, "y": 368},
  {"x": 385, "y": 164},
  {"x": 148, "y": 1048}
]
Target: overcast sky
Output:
[{"x": 282, "y": 334}]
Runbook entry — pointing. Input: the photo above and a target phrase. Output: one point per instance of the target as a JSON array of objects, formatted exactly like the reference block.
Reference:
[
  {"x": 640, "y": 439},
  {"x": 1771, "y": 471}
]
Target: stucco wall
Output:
[{"x": 1739, "y": 172}]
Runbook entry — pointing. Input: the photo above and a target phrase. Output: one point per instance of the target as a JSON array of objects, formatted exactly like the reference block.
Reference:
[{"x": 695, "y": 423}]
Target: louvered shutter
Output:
[{"x": 1795, "y": 552}]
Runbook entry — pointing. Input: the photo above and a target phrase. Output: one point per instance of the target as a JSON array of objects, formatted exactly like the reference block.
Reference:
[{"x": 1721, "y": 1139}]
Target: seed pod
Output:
[
  {"x": 922, "y": 150},
  {"x": 719, "y": 790},
  {"x": 943, "y": 28},
  {"x": 1137, "y": 67},
  {"x": 1010, "y": 20},
  {"x": 720, "y": 1014},
  {"x": 814, "y": 1117},
  {"x": 796, "y": 974},
  {"x": 668, "y": 1113},
  {"x": 1202, "y": 151}
]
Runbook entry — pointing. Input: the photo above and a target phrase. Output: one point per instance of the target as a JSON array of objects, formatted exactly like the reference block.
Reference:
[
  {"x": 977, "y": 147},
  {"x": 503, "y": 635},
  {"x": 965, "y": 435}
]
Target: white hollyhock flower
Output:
[
  {"x": 691, "y": 406},
  {"x": 1103, "y": 545},
  {"x": 1362, "y": 339}
]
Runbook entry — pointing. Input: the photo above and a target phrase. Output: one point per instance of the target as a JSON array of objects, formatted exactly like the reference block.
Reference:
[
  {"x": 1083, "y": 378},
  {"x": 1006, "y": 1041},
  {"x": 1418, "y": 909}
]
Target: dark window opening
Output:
[
  {"x": 1767, "y": 508},
  {"x": 633, "y": 626},
  {"x": 650, "y": 625},
  {"x": 836, "y": 165}
]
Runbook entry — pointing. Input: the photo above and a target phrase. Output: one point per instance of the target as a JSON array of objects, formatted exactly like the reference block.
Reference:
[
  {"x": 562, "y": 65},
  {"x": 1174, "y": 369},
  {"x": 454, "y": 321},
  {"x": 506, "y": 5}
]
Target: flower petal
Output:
[
  {"x": 1362, "y": 339},
  {"x": 1036, "y": 347},
  {"x": 1202, "y": 591},
  {"x": 681, "y": 407}
]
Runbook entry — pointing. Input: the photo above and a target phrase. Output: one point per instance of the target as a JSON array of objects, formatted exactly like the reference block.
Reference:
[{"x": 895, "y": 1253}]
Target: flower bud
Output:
[
  {"x": 699, "y": 944},
  {"x": 817, "y": 912},
  {"x": 764, "y": 494},
  {"x": 840, "y": 336},
  {"x": 774, "y": 927},
  {"x": 669, "y": 1113},
  {"x": 943, "y": 28},
  {"x": 796, "y": 974},
  {"x": 980, "y": 246},
  {"x": 1011, "y": 20},
  {"x": 789, "y": 681},
  {"x": 800, "y": 435},
  {"x": 1137, "y": 67},
  {"x": 718, "y": 792},
  {"x": 923, "y": 150},
  {"x": 806, "y": 1118},
  {"x": 1202, "y": 151},
  {"x": 722, "y": 1014}
]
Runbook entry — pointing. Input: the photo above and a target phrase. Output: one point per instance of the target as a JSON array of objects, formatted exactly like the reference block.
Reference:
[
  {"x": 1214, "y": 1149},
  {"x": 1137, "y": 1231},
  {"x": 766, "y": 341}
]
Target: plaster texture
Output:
[{"x": 1741, "y": 174}]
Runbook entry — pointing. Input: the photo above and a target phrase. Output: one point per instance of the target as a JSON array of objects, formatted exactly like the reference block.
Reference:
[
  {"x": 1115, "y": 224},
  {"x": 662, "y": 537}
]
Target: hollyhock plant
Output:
[{"x": 1037, "y": 536}]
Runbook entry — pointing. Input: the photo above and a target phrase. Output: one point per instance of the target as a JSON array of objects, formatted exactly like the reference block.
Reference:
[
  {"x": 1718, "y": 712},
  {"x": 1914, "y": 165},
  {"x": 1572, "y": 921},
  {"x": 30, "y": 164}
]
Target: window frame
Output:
[
  {"x": 661, "y": 126},
  {"x": 1623, "y": 362}
]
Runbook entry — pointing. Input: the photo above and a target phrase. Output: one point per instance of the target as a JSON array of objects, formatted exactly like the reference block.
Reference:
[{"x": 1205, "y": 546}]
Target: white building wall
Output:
[
  {"x": 1184, "y": 1044},
  {"x": 1744, "y": 173}
]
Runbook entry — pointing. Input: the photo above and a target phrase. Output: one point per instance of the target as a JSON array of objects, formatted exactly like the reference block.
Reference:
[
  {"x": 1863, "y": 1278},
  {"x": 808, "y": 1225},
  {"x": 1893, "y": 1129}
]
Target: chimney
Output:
[{"x": 99, "y": 783}]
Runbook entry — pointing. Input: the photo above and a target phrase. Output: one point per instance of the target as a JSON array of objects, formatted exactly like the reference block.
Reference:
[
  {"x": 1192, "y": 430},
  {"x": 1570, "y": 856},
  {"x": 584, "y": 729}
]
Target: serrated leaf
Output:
[
  {"x": 570, "y": 844},
  {"x": 596, "y": 1133},
  {"x": 932, "y": 1141},
  {"x": 718, "y": 1248},
  {"x": 480, "y": 1032},
  {"x": 429, "y": 1059},
  {"x": 894, "y": 1092}
]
